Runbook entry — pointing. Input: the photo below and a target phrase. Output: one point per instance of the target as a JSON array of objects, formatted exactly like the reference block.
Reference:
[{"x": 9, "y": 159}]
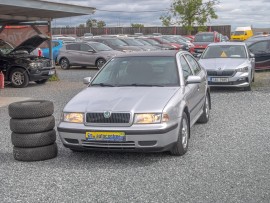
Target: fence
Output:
[{"x": 223, "y": 29}]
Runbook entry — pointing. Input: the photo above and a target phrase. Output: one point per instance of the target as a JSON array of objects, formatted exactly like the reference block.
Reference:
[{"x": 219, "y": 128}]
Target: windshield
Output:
[
  {"x": 116, "y": 42},
  {"x": 100, "y": 47},
  {"x": 132, "y": 42},
  {"x": 151, "y": 41},
  {"x": 239, "y": 32},
  {"x": 204, "y": 37},
  {"x": 225, "y": 51},
  {"x": 144, "y": 42},
  {"x": 138, "y": 71}
]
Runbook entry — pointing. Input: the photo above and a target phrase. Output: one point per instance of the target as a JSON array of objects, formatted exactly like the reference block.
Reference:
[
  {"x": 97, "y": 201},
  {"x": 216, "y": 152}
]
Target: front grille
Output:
[
  {"x": 45, "y": 64},
  {"x": 228, "y": 73},
  {"x": 114, "y": 118},
  {"x": 108, "y": 145}
]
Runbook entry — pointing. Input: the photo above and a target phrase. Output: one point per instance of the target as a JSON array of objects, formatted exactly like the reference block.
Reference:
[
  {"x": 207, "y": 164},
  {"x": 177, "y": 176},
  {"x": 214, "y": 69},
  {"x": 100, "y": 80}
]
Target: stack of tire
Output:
[{"x": 32, "y": 125}]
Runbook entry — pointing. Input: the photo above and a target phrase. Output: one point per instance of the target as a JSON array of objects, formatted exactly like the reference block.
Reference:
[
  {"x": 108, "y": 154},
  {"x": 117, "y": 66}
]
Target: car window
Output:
[
  {"x": 260, "y": 47},
  {"x": 100, "y": 47},
  {"x": 193, "y": 64},
  {"x": 185, "y": 68},
  {"x": 73, "y": 47},
  {"x": 85, "y": 47},
  {"x": 140, "y": 70}
]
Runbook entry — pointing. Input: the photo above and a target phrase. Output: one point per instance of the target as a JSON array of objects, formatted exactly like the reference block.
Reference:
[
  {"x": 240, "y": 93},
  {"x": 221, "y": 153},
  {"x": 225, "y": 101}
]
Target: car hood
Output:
[
  {"x": 223, "y": 63},
  {"x": 31, "y": 44},
  {"x": 121, "y": 99}
]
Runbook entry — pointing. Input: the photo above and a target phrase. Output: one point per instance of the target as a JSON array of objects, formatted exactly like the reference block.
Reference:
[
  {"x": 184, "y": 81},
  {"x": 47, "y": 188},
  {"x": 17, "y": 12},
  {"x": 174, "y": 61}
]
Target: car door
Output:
[
  {"x": 72, "y": 53},
  {"x": 190, "y": 89},
  {"x": 87, "y": 54},
  {"x": 261, "y": 50},
  {"x": 201, "y": 87}
]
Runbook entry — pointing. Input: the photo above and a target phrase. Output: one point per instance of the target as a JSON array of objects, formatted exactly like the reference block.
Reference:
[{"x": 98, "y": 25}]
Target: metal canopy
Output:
[{"x": 16, "y": 11}]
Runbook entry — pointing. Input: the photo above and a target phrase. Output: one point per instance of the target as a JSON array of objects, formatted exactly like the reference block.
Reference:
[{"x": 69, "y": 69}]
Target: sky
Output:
[{"x": 237, "y": 13}]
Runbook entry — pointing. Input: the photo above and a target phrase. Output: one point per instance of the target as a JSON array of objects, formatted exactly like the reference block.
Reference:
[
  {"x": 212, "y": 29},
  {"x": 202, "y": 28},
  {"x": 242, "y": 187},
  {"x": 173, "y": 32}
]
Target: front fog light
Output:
[{"x": 73, "y": 117}]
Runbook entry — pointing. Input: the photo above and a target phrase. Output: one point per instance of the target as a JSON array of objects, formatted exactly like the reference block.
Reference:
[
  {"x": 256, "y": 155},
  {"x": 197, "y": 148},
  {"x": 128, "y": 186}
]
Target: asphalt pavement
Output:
[{"x": 228, "y": 158}]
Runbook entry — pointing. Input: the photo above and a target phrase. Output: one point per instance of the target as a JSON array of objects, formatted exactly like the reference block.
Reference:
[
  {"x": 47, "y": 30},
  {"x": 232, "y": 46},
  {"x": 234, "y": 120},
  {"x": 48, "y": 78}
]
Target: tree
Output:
[
  {"x": 189, "y": 13},
  {"x": 137, "y": 25},
  {"x": 81, "y": 26},
  {"x": 91, "y": 23},
  {"x": 101, "y": 24}
]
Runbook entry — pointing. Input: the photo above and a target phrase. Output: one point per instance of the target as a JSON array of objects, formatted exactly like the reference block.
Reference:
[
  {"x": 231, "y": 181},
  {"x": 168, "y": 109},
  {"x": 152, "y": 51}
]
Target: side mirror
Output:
[
  {"x": 252, "y": 55},
  {"x": 91, "y": 50},
  {"x": 87, "y": 80},
  {"x": 193, "y": 79}
]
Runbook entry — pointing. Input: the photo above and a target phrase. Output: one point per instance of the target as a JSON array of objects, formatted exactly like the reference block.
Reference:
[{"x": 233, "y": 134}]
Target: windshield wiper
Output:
[{"x": 103, "y": 85}]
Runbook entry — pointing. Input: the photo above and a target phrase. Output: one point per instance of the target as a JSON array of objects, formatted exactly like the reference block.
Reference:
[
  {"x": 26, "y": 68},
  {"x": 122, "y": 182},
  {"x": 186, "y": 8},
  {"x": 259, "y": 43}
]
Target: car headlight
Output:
[
  {"x": 243, "y": 70},
  {"x": 150, "y": 118},
  {"x": 73, "y": 117},
  {"x": 35, "y": 65}
]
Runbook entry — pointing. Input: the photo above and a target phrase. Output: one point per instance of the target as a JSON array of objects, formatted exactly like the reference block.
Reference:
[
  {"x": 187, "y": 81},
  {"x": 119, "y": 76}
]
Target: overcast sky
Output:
[{"x": 230, "y": 12}]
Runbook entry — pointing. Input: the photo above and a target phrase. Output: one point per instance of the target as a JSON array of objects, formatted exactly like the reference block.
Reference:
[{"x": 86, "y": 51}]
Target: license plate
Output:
[
  {"x": 105, "y": 136},
  {"x": 51, "y": 72},
  {"x": 219, "y": 79}
]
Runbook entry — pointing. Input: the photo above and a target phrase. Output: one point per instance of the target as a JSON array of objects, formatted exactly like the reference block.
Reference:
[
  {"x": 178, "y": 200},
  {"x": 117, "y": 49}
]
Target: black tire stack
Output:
[{"x": 33, "y": 134}]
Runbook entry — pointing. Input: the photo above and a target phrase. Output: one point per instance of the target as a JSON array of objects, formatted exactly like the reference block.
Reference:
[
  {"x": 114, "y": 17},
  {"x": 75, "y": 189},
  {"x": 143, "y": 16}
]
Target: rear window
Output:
[{"x": 208, "y": 37}]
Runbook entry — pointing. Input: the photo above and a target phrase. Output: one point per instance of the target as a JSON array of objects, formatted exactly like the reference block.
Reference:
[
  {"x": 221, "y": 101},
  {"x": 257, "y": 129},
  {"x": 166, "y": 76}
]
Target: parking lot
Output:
[{"x": 228, "y": 158}]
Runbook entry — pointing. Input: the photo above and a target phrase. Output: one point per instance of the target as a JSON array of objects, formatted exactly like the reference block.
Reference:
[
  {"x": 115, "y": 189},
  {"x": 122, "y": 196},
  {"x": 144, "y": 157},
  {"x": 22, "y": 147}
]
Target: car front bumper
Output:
[
  {"x": 238, "y": 80},
  {"x": 145, "y": 140},
  {"x": 40, "y": 74}
]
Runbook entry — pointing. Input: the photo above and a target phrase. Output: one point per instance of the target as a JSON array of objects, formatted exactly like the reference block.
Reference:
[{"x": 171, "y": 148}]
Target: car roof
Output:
[
  {"x": 227, "y": 43},
  {"x": 151, "y": 53}
]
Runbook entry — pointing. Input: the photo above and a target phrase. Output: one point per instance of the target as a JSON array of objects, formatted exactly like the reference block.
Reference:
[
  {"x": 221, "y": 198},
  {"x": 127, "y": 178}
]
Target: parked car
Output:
[
  {"x": 156, "y": 43},
  {"x": 229, "y": 64},
  {"x": 133, "y": 42},
  {"x": 260, "y": 47},
  {"x": 84, "y": 54},
  {"x": 144, "y": 101},
  {"x": 20, "y": 67},
  {"x": 116, "y": 44},
  {"x": 202, "y": 40},
  {"x": 56, "y": 46},
  {"x": 162, "y": 40}
]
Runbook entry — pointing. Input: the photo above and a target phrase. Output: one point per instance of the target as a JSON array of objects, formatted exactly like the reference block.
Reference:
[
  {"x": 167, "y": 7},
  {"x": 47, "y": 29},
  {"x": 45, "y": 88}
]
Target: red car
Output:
[
  {"x": 162, "y": 40},
  {"x": 202, "y": 40}
]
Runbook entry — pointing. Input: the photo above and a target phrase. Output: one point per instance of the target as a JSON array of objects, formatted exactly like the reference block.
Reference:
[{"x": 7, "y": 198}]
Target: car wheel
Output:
[
  {"x": 19, "y": 78},
  {"x": 35, "y": 153},
  {"x": 41, "y": 81},
  {"x": 33, "y": 125},
  {"x": 33, "y": 139},
  {"x": 64, "y": 63},
  {"x": 206, "y": 111},
  {"x": 30, "y": 109},
  {"x": 181, "y": 146},
  {"x": 100, "y": 63}
]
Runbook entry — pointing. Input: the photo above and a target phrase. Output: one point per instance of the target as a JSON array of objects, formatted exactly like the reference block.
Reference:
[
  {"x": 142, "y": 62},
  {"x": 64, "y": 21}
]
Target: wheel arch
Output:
[
  {"x": 13, "y": 67},
  {"x": 186, "y": 111},
  {"x": 99, "y": 59}
]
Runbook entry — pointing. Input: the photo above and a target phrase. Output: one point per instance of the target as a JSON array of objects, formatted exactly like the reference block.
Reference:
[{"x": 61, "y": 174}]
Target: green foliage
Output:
[
  {"x": 81, "y": 26},
  {"x": 54, "y": 78},
  {"x": 101, "y": 24},
  {"x": 137, "y": 25},
  {"x": 190, "y": 13},
  {"x": 95, "y": 23}
]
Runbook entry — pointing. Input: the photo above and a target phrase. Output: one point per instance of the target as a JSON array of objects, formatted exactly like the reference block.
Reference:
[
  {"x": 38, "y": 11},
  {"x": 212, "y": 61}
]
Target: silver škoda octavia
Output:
[{"x": 138, "y": 102}]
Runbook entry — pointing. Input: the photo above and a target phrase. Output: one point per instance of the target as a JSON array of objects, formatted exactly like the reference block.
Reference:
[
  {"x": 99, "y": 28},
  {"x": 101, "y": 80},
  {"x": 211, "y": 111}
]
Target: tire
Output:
[
  {"x": 181, "y": 146},
  {"x": 33, "y": 140},
  {"x": 100, "y": 63},
  {"x": 204, "y": 118},
  {"x": 19, "y": 78},
  {"x": 64, "y": 63},
  {"x": 25, "y": 126},
  {"x": 41, "y": 81},
  {"x": 31, "y": 109},
  {"x": 36, "y": 153}
]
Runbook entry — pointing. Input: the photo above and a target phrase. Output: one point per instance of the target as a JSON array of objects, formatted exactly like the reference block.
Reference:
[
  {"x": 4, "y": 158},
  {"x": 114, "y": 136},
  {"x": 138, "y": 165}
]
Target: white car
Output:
[{"x": 229, "y": 64}]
